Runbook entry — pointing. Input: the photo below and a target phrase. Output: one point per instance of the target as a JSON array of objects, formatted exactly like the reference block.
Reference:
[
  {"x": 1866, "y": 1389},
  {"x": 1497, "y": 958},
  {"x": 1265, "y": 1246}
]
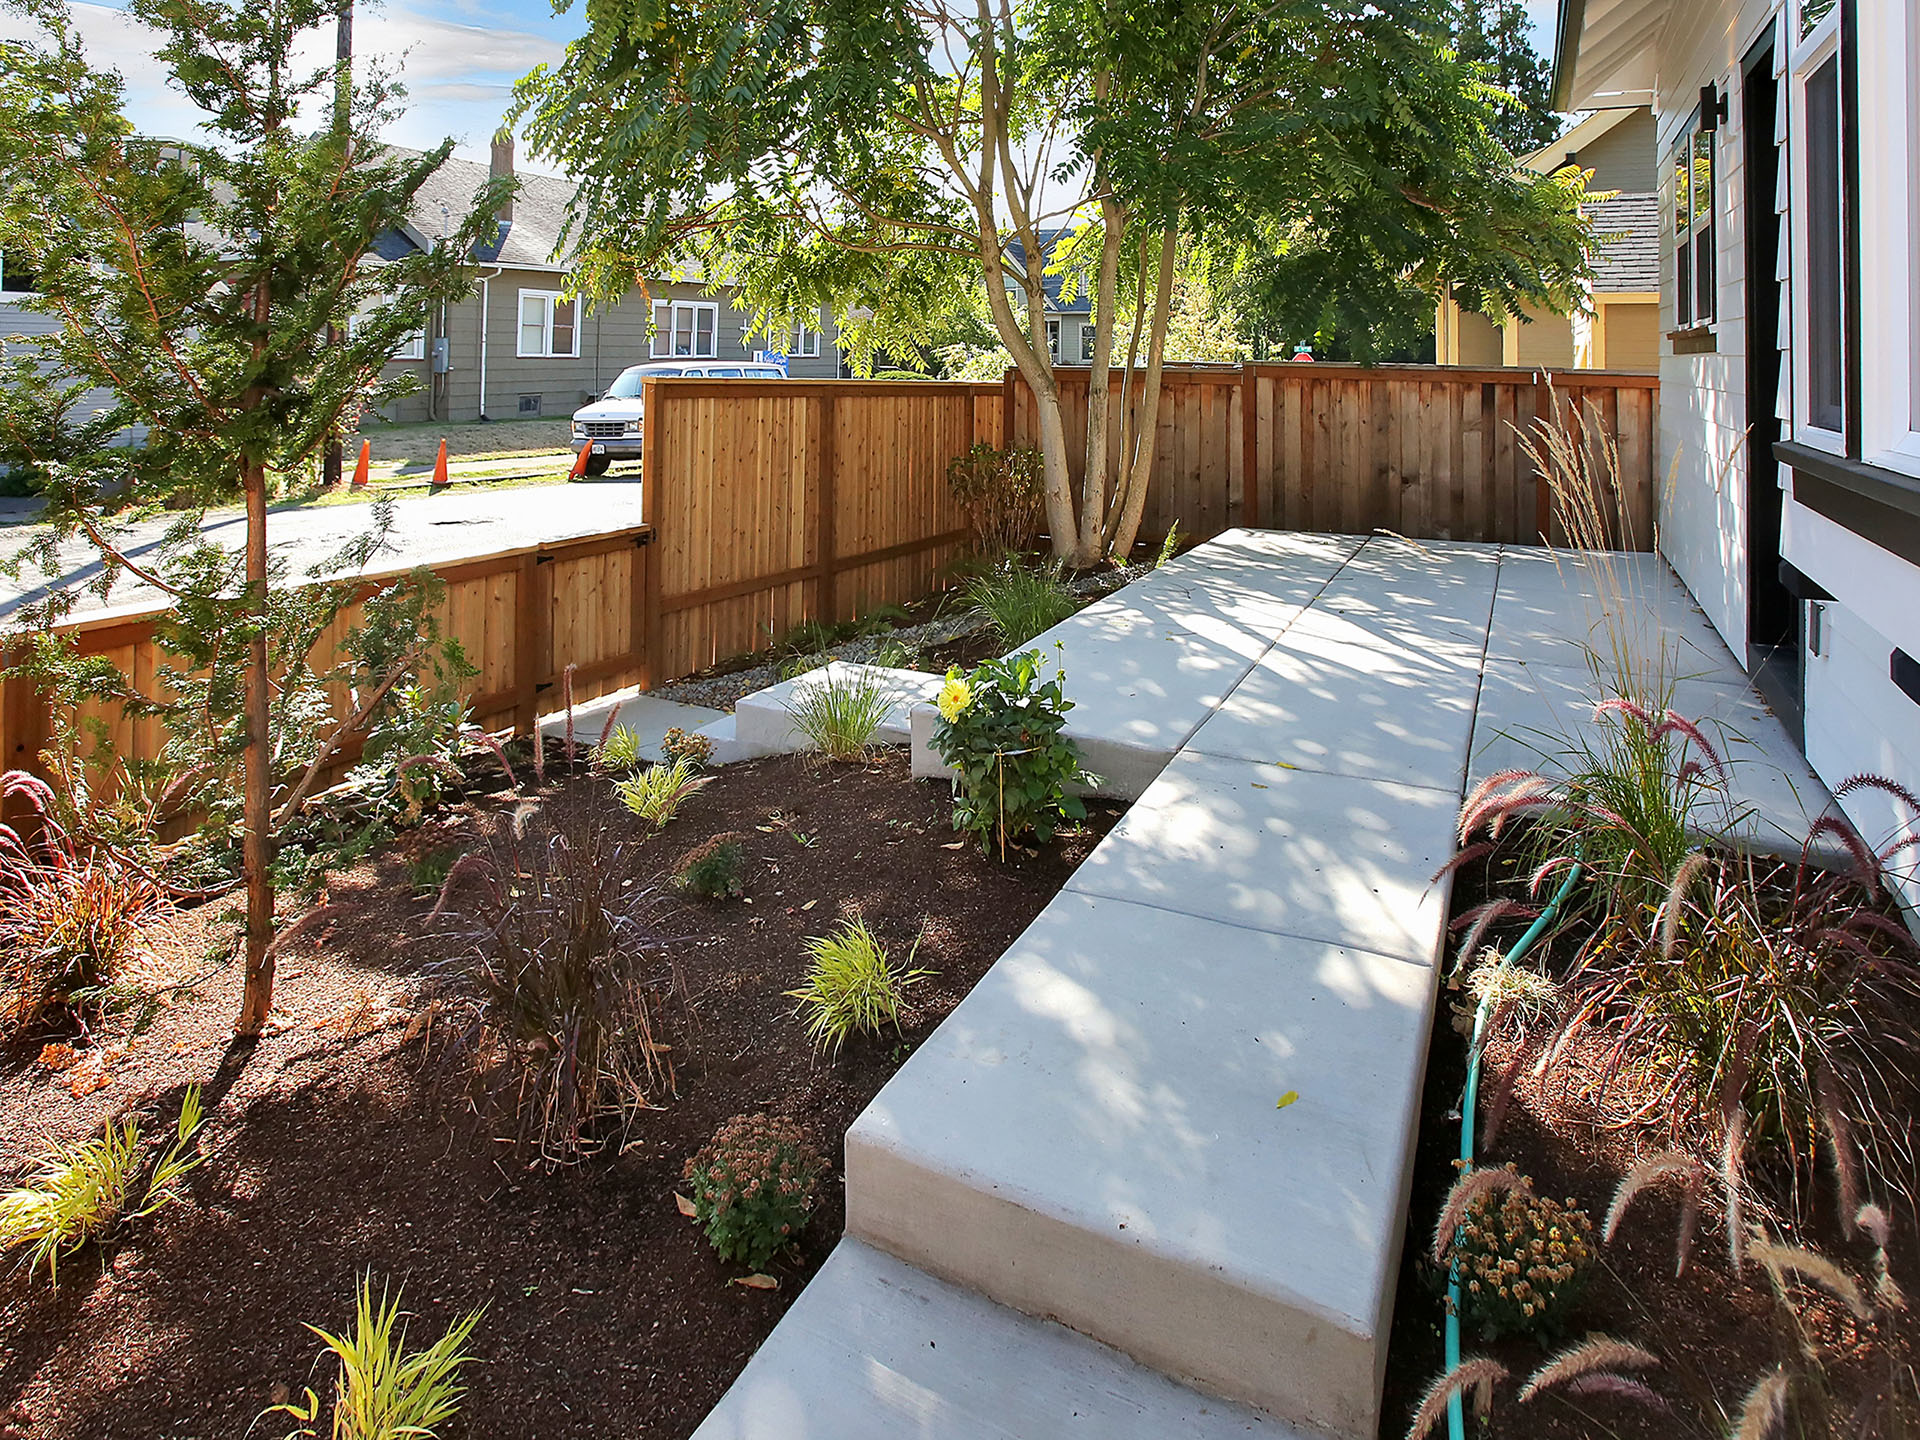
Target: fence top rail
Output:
[
  {"x": 472, "y": 566},
  {"x": 705, "y": 387},
  {"x": 1331, "y": 370}
]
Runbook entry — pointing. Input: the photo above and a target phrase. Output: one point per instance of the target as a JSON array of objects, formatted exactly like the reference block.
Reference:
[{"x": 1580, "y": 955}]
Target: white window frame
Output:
[
  {"x": 667, "y": 326},
  {"x": 552, "y": 300},
  {"x": 6, "y": 289},
  {"x": 1089, "y": 337},
  {"x": 1053, "y": 340},
  {"x": 1809, "y": 53},
  {"x": 413, "y": 347},
  {"x": 1889, "y": 80},
  {"x": 806, "y": 343}
]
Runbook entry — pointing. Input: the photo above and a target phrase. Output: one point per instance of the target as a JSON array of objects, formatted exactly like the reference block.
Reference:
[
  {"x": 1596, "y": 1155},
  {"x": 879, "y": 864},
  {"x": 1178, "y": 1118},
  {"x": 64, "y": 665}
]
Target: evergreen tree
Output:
[
  {"x": 196, "y": 282},
  {"x": 1499, "y": 35}
]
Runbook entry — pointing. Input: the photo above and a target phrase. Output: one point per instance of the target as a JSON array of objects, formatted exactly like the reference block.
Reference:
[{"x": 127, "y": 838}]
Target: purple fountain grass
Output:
[
  {"x": 1597, "y": 1353},
  {"x": 1477, "y": 1373}
]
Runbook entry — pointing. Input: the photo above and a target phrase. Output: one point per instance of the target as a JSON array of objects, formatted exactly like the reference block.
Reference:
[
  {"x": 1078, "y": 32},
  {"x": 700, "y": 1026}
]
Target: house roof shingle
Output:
[{"x": 1628, "y": 257}]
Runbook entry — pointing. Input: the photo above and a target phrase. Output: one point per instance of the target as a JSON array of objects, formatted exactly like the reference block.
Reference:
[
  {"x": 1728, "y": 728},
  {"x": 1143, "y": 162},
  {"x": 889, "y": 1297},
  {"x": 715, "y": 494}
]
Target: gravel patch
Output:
[{"x": 723, "y": 692}]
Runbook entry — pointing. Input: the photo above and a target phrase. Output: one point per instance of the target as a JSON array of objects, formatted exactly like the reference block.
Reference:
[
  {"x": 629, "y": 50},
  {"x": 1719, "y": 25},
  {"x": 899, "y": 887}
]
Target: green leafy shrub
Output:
[
  {"x": 553, "y": 986},
  {"x": 1020, "y": 602},
  {"x": 1523, "y": 1258},
  {"x": 852, "y": 987},
  {"x": 753, "y": 1187},
  {"x": 716, "y": 869},
  {"x": 839, "y": 714},
  {"x": 385, "y": 1391},
  {"x": 678, "y": 744},
  {"x": 657, "y": 793},
  {"x": 619, "y": 752},
  {"x": 409, "y": 759},
  {"x": 999, "y": 728},
  {"x": 82, "y": 1192},
  {"x": 71, "y": 916},
  {"x": 427, "y": 873},
  {"x": 1002, "y": 492}
]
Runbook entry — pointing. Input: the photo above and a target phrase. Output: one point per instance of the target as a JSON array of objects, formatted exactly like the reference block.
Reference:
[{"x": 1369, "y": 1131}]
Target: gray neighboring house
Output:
[
  {"x": 1070, "y": 327},
  {"x": 519, "y": 347},
  {"x": 18, "y": 323}
]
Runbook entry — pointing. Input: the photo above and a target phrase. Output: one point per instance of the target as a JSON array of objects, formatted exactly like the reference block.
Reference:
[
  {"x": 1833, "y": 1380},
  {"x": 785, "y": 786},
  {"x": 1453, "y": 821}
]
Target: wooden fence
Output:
[
  {"x": 782, "y": 501},
  {"x": 1430, "y": 452},
  {"x": 522, "y": 617}
]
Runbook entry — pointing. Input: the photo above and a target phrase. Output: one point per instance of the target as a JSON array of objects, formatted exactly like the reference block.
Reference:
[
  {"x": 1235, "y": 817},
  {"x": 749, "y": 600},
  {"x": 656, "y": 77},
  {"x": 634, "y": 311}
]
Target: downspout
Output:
[{"x": 486, "y": 292}]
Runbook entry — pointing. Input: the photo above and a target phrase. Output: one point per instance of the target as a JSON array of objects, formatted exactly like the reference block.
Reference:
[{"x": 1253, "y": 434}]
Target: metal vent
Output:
[{"x": 529, "y": 404}]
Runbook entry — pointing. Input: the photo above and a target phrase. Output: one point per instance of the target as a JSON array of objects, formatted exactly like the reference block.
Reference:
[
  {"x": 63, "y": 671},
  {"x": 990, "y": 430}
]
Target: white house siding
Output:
[
  {"x": 1703, "y": 401},
  {"x": 1857, "y": 721},
  {"x": 17, "y": 322}
]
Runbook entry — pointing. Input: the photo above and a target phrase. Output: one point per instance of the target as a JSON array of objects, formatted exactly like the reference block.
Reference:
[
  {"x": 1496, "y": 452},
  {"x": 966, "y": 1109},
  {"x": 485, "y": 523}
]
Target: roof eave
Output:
[{"x": 1566, "y": 47}]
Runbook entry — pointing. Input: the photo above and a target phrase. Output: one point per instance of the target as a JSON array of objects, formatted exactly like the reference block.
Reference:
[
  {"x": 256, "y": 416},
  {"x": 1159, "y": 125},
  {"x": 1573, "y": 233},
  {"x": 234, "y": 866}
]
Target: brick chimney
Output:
[{"x": 502, "y": 166}]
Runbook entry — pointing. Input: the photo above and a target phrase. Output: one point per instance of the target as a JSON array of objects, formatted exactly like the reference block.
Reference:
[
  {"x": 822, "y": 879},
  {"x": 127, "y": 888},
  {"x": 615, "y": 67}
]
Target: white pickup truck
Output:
[{"x": 609, "y": 428}]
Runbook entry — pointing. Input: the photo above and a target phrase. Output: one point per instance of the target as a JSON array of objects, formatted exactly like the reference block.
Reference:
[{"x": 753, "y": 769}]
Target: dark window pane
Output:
[
  {"x": 16, "y": 277},
  {"x": 1825, "y": 330},
  {"x": 1703, "y": 274},
  {"x": 1683, "y": 286}
]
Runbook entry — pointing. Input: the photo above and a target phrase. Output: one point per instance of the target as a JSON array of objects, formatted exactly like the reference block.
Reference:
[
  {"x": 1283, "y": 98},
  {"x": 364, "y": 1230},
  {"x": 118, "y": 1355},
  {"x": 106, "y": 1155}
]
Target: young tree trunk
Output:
[
  {"x": 256, "y": 851},
  {"x": 1093, "y": 485},
  {"x": 1124, "y": 525}
]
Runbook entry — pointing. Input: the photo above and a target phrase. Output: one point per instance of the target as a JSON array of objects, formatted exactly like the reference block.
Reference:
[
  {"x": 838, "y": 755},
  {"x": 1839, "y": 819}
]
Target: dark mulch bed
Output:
[
  {"x": 1717, "y": 1334},
  {"x": 339, "y": 1145}
]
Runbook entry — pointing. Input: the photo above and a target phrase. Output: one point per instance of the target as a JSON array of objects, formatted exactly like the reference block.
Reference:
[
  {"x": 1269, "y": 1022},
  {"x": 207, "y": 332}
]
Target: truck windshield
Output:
[{"x": 627, "y": 387}]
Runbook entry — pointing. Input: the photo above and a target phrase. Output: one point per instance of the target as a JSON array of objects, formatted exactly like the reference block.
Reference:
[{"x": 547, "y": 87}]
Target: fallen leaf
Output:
[
  {"x": 1287, "y": 1099},
  {"x": 756, "y": 1282},
  {"x": 684, "y": 1205},
  {"x": 810, "y": 904},
  {"x": 1258, "y": 786},
  {"x": 955, "y": 846},
  {"x": 57, "y": 1057},
  {"x": 1285, "y": 765}
]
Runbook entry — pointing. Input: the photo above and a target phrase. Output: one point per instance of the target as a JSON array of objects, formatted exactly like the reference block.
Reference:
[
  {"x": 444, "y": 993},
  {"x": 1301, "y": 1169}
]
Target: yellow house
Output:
[{"x": 1623, "y": 330}]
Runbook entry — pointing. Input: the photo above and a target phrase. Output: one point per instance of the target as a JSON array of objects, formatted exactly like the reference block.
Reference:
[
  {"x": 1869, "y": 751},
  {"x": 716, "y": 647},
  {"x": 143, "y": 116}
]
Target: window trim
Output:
[
  {"x": 1089, "y": 337},
  {"x": 1888, "y": 60},
  {"x": 1053, "y": 340},
  {"x": 552, "y": 299},
  {"x": 803, "y": 337},
  {"x": 667, "y": 332},
  {"x": 1688, "y": 314},
  {"x": 5, "y": 289},
  {"x": 413, "y": 347},
  {"x": 1810, "y": 54}
]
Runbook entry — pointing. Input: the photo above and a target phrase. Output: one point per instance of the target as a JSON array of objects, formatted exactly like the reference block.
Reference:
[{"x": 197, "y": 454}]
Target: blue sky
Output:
[{"x": 459, "y": 59}]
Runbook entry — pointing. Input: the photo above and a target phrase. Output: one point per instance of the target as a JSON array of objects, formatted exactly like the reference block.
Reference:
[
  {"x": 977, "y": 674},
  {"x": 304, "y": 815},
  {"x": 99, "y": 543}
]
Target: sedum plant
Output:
[
  {"x": 1523, "y": 1258},
  {"x": 999, "y": 728},
  {"x": 83, "y": 1192},
  {"x": 840, "y": 714},
  {"x": 852, "y": 986},
  {"x": 753, "y": 1187},
  {"x": 695, "y": 749},
  {"x": 385, "y": 1391},
  {"x": 657, "y": 793}
]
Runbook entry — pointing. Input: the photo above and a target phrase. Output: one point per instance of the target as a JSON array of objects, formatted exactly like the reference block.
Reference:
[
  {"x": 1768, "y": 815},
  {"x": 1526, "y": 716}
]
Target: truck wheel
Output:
[{"x": 597, "y": 464}]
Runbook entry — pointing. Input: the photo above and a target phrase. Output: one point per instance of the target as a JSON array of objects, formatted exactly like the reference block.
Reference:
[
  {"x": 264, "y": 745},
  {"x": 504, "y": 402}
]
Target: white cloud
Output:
[{"x": 459, "y": 77}]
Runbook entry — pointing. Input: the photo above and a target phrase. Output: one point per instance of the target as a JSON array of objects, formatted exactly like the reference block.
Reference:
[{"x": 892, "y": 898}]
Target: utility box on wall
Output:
[{"x": 442, "y": 356}]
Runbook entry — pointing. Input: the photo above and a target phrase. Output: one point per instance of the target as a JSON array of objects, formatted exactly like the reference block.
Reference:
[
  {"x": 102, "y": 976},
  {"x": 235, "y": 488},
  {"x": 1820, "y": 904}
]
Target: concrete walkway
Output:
[{"x": 1178, "y": 1115}]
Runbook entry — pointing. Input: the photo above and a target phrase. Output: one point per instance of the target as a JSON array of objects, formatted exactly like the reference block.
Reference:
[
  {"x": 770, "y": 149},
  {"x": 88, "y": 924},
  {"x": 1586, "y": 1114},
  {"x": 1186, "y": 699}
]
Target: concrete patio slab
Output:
[
  {"x": 763, "y": 721},
  {"x": 1096, "y": 1135},
  {"x": 877, "y": 1350},
  {"x": 1552, "y": 607},
  {"x": 1337, "y": 695},
  {"x": 1530, "y": 716},
  {"x": 1295, "y": 852},
  {"x": 646, "y": 715}
]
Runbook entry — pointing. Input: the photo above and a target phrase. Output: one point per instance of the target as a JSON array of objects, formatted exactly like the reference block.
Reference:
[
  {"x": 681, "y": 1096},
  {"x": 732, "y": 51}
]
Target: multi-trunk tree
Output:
[
  {"x": 224, "y": 292},
  {"x": 890, "y": 158}
]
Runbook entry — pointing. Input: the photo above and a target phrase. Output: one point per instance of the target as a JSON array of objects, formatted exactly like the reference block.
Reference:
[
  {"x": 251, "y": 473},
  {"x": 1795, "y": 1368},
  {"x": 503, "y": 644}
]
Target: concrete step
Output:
[
  {"x": 647, "y": 716},
  {"x": 763, "y": 721},
  {"x": 876, "y": 1350},
  {"x": 726, "y": 748},
  {"x": 1095, "y": 1135}
]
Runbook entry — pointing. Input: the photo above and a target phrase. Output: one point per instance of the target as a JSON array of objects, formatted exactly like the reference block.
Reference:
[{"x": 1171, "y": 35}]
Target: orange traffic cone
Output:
[
  {"x": 580, "y": 463},
  {"x": 440, "y": 481},
  {"x": 360, "y": 467}
]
